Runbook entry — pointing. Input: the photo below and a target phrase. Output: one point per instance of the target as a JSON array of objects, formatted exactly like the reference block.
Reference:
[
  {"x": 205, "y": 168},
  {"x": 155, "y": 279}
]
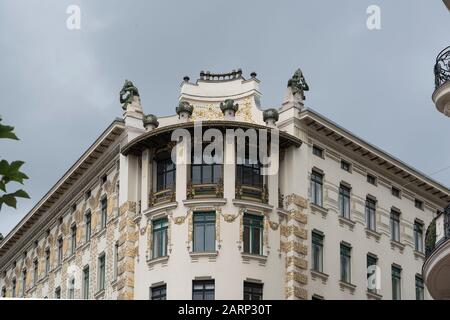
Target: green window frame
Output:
[
  {"x": 204, "y": 232},
  {"x": 159, "y": 292},
  {"x": 159, "y": 238},
  {"x": 203, "y": 290},
  {"x": 420, "y": 289},
  {"x": 253, "y": 234},
  {"x": 396, "y": 274}
]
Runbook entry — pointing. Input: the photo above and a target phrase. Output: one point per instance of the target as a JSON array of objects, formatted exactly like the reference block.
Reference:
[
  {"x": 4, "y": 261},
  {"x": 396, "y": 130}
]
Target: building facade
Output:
[{"x": 138, "y": 216}]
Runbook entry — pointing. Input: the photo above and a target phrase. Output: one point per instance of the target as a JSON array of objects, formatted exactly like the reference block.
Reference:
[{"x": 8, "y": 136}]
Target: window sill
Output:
[
  {"x": 160, "y": 260},
  {"x": 247, "y": 257},
  {"x": 157, "y": 208},
  {"x": 347, "y": 286},
  {"x": 249, "y": 204},
  {"x": 195, "y": 256},
  {"x": 70, "y": 258},
  {"x": 345, "y": 221},
  {"x": 210, "y": 201},
  {"x": 373, "y": 295},
  {"x": 100, "y": 294},
  {"x": 319, "y": 209},
  {"x": 101, "y": 233},
  {"x": 85, "y": 245},
  {"x": 57, "y": 268},
  {"x": 398, "y": 245},
  {"x": 318, "y": 274},
  {"x": 419, "y": 255},
  {"x": 373, "y": 234}
]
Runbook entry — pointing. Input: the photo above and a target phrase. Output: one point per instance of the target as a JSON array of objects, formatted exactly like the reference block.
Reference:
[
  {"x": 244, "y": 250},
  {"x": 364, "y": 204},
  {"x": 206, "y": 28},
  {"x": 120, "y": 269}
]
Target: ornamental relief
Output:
[{"x": 213, "y": 112}]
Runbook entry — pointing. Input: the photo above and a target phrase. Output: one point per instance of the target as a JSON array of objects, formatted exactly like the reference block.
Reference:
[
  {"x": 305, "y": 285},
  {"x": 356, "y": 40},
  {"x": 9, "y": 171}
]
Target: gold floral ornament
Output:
[
  {"x": 229, "y": 217},
  {"x": 179, "y": 220},
  {"x": 273, "y": 225}
]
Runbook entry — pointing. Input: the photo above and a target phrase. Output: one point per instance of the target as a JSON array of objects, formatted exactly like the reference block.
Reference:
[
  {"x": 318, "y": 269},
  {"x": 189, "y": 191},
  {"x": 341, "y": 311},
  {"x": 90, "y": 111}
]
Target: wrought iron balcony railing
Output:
[
  {"x": 205, "y": 190},
  {"x": 253, "y": 193},
  {"x": 437, "y": 232},
  {"x": 442, "y": 67},
  {"x": 163, "y": 196}
]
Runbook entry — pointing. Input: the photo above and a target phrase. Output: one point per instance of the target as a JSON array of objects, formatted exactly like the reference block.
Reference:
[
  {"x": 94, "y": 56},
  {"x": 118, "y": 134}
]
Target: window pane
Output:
[
  {"x": 210, "y": 236},
  {"x": 199, "y": 245}
]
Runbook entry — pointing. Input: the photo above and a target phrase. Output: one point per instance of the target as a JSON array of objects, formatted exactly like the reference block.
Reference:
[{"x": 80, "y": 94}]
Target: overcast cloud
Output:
[{"x": 59, "y": 88}]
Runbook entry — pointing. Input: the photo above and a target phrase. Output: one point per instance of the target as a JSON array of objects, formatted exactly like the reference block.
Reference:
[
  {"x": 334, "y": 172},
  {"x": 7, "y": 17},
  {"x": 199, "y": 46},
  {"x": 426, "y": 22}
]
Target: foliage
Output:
[{"x": 10, "y": 172}]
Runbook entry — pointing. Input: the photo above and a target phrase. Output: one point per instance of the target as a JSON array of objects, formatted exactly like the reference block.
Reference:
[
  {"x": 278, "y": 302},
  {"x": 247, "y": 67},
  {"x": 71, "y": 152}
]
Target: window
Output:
[
  {"x": 60, "y": 250},
  {"x": 165, "y": 174},
  {"x": 14, "y": 285},
  {"x": 4, "y": 292},
  {"x": 74, "y": 208},
  {"x": 418, "y": 236},
  {"x": 419, "y": 288},
  {"x": 203, "y": 173},
  {"x": 35, "y": 271},
  {"x": 253, "y": 291},
  {"x": 317, "y": 251},
  {"x": 395, "y": 226},
  {"x": 346, "y": 263},
  {"x": 88, "y": 226},
  {"x": 73, "y": 241},
  {"x": 418, "y": 204},
  {"x": 344, "y": 201},
  {"x": 395, "y": 192},
  {"x": 396, "y": 283},
  {"x": 204, "y": 232},
  {"x": 248, "y": 170},
  {"x": 104, "y": 179},
  {"x": 317, "y": 297},
  {"x": 58, "y": 293},
  {"x": 371, "y": 179},
  {"x": 159, "y": 292},
  {"x": 371, "y": 262},
  {"x": 203, "y": 290},
  {"x": 71, "y": 289},
  {"x": 345, "y": 165},
  {"x": 160, "y": 238},
  {"x": 24, "y": 282},
  {"x": 47, "y": 262},
  {"x": 103, "y": 213},
  {"x": 317, "y": 151},
  {"x": 101, "y": 273},
  {"x": 87, "y": 195},
  {"x": 371, "y": 213},
  {"x": 316, "y": 188},
  {"x": 253, "y": 234},
  {"x": 85, "y": 286},
  {"x": 116, "y": 260}
]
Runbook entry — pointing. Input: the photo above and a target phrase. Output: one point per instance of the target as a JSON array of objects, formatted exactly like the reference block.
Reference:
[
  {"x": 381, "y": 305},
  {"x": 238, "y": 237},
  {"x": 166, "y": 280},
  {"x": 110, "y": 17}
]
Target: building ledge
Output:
[
  {"x": 398, "y": 245},
  {"x": 373, "y": 234},
  {"x": 159, "y": 208},
  {"x": 247, "y": 204},
  {"x": 156, "y": 261},
  {"x": 347, "y": 286},
  {"x": 195, "y": 256},
  {"x": 317, "y": 274},
  {"x": 419, "y": 255},
  {"x": 318, "y": 209},
  {"x": 205, "y": 202},
  {"x": 100, "y": 233},
  {"x": 100, "y": 294},
  {"x": 373, "y": 295},
  {"x": 346, "y": 222},
  {"x": 261, "y": 259}
]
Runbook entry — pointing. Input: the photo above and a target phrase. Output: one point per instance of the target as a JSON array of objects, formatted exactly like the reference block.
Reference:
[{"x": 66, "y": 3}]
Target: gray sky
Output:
[{"x": 59, "y": 88}]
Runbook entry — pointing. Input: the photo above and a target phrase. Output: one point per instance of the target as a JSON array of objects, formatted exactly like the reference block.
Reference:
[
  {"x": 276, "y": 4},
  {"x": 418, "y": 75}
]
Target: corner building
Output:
[{"x": 126, "y": 222}]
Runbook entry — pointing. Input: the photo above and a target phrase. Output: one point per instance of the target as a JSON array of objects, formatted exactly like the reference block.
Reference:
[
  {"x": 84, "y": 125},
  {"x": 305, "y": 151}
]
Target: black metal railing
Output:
[
  {"x": 442, "y": 67},
  {"x": 430, "y": 235}
]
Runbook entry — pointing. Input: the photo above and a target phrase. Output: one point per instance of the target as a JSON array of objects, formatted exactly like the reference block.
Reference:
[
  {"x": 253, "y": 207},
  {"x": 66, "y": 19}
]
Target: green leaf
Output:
[
  {"x": 2, "y": 186},
  {"x": 6, "y": 132},
  {"x": 20, "y": 194},
  {"x": 9, "y": 200}
]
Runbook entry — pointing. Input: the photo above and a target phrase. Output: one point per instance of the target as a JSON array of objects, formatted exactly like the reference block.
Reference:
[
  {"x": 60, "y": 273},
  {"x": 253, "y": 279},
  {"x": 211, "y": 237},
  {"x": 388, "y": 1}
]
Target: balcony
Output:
[
  {"x": 441, "y": 95},
  {"x": 163, "y": 196},
  {"x": 252, "y": 193},
  {"x": 436, "y": 269},
  {"x": 204, "y": 190}
]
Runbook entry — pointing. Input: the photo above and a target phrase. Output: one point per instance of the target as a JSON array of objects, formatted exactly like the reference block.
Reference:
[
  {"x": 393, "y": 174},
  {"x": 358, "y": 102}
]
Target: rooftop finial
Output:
[{"x": 298, "y": 84}]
